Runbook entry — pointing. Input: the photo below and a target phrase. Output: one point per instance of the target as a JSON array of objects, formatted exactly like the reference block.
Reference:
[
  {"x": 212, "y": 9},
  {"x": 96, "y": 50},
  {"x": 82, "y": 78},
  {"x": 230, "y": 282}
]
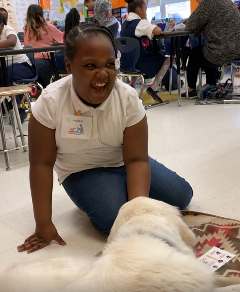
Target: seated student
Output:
[
  {"x": 39, "y": 34},
  {"x": 102, "y": 14},
  {"x": 19, "y": 66},
  {"x": 219, "y": 22},
  {"x": 149, "y": 63},
  {"x": 92, "y": 129},
  {"x": 72, "y": 19}
]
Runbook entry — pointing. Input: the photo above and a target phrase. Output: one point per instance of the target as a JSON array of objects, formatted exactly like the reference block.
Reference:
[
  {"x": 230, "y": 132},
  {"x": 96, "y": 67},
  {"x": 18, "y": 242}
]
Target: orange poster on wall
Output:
[{"x": 45, "y": 4}]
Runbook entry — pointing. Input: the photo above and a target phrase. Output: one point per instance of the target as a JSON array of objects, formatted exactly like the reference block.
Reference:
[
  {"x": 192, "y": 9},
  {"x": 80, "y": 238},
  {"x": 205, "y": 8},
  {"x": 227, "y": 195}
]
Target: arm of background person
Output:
[
  {"x": 42, "y": 156},
  {"x": 10, "y": 42},
  {"x": 199, "y": 18},
  {"x": 56, "y": 34},
  {"x": 144, "y": 27},
  {"x": 135, "y": 157}
]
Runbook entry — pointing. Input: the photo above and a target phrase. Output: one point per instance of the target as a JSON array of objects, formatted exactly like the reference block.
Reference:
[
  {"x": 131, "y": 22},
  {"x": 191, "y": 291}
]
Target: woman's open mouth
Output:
[{"x": 98, "y": 87}]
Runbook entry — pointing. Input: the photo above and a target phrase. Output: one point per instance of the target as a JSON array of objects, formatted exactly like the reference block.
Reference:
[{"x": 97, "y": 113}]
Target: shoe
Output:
[
  {"x": 22, "y": 114},
  {"x": 237, "y": 74},
  {"x": 192, "y": 93},
  {"x": 154, "y": 95},
  {"x": 147, "y": 81}
]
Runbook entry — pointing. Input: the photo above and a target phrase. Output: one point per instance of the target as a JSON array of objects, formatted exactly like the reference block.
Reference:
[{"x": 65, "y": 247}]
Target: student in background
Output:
[
  {"x": 72, "y": 19},
  {"x": 102, "y": 14},
  {"x": 219, "y": 22},
  {"x": 151, "y": 64},
  {"x": 18, "y": 66},
  {"x": 39, "y": 34},
  {"x": 4, "y": 13}
]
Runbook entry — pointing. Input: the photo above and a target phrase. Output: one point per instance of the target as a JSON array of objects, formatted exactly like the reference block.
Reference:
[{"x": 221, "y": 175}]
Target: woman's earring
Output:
[{"x": 117, "y": 61}]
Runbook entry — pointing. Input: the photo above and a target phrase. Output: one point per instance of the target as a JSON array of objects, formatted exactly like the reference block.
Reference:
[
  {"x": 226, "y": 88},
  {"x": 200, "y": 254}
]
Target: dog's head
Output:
[{"x": 141, "y": 206}]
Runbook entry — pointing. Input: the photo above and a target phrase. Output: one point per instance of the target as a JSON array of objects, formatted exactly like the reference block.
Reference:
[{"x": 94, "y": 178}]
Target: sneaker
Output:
[
  {"x": 154, "y": 95},
  {"x": 147, "y": 81},
  {"x": 192, "y": 93}
]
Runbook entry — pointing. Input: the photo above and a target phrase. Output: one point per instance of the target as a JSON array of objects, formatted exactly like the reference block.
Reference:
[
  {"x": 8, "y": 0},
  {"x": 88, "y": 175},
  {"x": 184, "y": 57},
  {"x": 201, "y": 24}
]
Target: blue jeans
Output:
[
  {"x": 100, "y": 192},
  {"x": 45, "y": 71}
]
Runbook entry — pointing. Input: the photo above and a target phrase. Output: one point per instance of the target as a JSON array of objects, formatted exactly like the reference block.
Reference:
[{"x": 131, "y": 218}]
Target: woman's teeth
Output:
[{"x": 100, "y": 84}]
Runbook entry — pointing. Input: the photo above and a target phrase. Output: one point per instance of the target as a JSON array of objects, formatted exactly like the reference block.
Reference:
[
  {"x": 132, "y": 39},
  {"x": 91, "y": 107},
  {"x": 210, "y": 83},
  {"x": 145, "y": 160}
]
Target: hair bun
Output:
[{"x": 128, "y": 1}]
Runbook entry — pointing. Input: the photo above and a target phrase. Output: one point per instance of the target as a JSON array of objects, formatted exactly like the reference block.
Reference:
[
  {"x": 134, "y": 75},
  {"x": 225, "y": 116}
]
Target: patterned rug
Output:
[{"x": 220, "y": 232}]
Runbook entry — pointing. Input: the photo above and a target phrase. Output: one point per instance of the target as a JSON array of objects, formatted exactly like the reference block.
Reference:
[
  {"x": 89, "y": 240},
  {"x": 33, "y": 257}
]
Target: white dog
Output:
[{"x": 149, "y": 250}]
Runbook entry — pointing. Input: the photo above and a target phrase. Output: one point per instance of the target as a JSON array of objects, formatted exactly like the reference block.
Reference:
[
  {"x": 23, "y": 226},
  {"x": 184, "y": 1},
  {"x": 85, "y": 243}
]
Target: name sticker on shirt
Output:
[{"x": 76, "y": 127}]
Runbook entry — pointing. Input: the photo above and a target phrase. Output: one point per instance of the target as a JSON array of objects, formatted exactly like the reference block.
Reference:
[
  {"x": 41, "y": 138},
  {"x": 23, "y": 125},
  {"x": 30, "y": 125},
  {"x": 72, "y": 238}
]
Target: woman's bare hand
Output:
[{"x": 41, "y": 238}]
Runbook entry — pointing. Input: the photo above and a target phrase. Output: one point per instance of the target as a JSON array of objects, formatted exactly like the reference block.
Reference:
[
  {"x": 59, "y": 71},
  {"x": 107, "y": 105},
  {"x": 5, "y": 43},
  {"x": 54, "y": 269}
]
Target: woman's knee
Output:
[
  {"x": 104, "y": 221},
  {"x": 169, "y": 187}
]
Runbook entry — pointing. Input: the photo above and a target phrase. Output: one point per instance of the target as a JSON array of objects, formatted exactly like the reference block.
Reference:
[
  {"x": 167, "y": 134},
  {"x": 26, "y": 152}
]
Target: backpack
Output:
[{"x": 165, "y": 80}]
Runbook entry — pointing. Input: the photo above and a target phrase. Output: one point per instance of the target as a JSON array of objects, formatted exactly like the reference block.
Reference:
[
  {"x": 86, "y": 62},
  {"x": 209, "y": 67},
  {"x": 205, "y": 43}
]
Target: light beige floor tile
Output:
[{"x": 64, "y": 213}]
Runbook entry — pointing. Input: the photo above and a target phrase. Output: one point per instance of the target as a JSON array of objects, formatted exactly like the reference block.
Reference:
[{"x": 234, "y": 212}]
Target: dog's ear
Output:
[{"x": 188, "y": 237}]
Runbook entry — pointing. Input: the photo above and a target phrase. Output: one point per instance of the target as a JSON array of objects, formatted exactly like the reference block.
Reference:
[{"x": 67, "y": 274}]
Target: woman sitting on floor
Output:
[{"x": 92, "y": 129}]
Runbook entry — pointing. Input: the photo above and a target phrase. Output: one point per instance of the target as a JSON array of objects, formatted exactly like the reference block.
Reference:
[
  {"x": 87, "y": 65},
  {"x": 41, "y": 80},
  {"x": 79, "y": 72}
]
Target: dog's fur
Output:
[{"x": 150, "y": 249}]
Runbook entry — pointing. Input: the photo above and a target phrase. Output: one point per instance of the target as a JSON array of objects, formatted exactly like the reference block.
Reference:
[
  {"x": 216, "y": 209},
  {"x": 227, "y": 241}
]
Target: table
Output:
[
  {"x": 177, "y": 35},
  {"x": 10, "y": 52}
]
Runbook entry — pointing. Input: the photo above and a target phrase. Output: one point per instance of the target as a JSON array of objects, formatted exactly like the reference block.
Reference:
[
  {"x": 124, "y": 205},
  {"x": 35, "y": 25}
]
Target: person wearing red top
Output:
[{"x": 38, "y": 33}]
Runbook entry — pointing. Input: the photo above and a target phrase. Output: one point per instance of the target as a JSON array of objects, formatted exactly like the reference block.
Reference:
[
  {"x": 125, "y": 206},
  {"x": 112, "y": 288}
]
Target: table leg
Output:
[
  {"x": 19, "y": 122},
  {"x": 178, "y": 70},
  {"x": 170, "y": 67},
  {"x": 4, "y": 142},
  {"x": 183, "y": 42},
  {"x": 55, "y": 70},
  {"x": 200, "y": 70}
]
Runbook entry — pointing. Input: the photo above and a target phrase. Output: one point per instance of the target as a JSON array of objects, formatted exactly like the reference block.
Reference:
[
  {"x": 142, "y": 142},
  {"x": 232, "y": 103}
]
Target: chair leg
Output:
[
  {"x": 14, "y": 127},
  {"x": 200, "y": 77},
  {"x": 142, "y": 88},
  {"x": 186, "y": 84},
  {"x": 170, "y": 80},
  {"x": 232, "y": 75},
  {"x": 19, "y": 122},
  {"x": 4, "y": 141},
  {"x": 5, "y": 108}
]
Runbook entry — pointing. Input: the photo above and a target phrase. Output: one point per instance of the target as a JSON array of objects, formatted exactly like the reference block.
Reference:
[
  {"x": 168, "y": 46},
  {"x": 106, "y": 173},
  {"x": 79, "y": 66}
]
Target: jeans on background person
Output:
[
  {"x": 100, "y": 192},
  {"x": 20, "y": 71},
  {"x": 45, "y": 71},
  {"x": 195, "y": 62}
]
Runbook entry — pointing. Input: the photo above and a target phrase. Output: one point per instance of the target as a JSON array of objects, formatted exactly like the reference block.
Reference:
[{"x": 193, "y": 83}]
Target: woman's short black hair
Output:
[
  {"x": 72, "y": 19},
  {"x": 134, "y": 4},
  {"x": 2, "y": 19},
  {"x": 82, "y": 31}
]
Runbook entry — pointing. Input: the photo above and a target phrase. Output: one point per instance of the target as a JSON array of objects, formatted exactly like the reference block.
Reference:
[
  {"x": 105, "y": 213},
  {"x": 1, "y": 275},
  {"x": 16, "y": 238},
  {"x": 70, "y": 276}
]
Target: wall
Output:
[
  {"x": 118, "y": 3},
  {"x": 194, "y": 5}
]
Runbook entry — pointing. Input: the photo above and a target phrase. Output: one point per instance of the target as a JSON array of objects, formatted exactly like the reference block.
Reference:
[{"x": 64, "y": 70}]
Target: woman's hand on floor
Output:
[{"x": 41, "y": 238}]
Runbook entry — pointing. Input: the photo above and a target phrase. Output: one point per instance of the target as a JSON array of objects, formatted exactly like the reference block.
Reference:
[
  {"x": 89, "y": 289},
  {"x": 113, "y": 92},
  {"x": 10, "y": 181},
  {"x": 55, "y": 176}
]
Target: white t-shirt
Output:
[
  {"x": 8, "y": 30},
  {"x": 144, "y": 27},
  {"x": 121, "y": 109}
]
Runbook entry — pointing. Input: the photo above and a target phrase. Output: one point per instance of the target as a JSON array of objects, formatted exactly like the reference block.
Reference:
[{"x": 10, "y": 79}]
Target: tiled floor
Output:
[{"x": 201, "y": 143}]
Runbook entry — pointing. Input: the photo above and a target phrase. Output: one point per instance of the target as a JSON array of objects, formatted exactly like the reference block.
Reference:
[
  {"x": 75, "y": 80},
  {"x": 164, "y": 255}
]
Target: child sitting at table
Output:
[
  {"x": 149, "y": 63},
  {"x": 18, "y": 66}
]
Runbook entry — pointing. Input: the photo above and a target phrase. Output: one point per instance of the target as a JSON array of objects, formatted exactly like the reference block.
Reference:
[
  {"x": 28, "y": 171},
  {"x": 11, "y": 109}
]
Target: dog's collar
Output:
[{"x": 170, "y": 243}]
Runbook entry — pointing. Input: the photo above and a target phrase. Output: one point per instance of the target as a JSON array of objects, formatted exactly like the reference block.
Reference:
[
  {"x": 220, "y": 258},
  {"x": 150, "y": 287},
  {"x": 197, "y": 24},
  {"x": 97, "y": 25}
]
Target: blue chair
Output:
[{"x": 130, "y": 52}]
